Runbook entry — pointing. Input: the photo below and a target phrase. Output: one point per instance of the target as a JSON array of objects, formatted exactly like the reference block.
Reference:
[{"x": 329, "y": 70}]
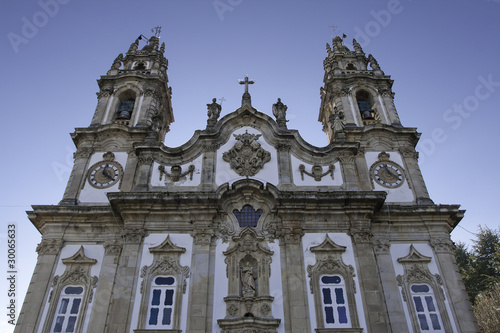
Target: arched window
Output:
[
  {"x": 140, "y": 65},
  {"x": 425, "y": 306},
  {"x": 350, "y": 66},
  {"x": 68, "y": 309},
  {"x": 365, "y": 105},
  {"x": 161, "y": 304},
  {"x": 334, "y": 301},
  {"x": 125, "y": 109}
]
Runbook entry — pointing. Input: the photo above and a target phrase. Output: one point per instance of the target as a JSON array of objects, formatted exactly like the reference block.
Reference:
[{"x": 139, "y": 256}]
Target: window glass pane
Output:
[
  {"x": 342, "y": 314},
  {"x": 435, "y": 321},
  {"x": 73, "y": 290},
  {"x": 168, "y": 281},
  {"x": 75, "y": 306},
  {"x": 329, "y": 315},
  {"x": 167, "y": 316},
  {"x": 418, "y": 304},
  {"x": 153, "y": 316},
  {"x": 420, "y": 288},
  {"x": 169, "y": 297},
  {"x": 423, "y": 322},
  {"x": 430, "y": 303},
  {"x": 327, "y": 296},
  {"x": 71, "y": 324},
  {"x": 339, "y": 295},
  {"x": 64, "y": 305},
  {"x": 331, "y": 279},
  {"x": 156, "y": 297},
  {"x": 247, "y": 217},
  {"x": 59, "y": 324}
]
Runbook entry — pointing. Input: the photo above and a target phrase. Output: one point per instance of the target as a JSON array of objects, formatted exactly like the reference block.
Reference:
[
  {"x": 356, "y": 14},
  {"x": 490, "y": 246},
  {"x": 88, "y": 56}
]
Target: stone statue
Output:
[
  {"x": 118, "y": 62},
  {"x": 279, "y": 111},
  {"x": 337, "y": 125},
  {"x": 213, "y": 113},
  {"x": 247, "y": 281}
]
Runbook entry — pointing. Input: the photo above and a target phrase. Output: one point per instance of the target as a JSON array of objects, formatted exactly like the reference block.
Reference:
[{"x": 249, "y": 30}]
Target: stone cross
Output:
[
  {"x": 246, "y": 83},
  {"x": 246, "y": 98}
]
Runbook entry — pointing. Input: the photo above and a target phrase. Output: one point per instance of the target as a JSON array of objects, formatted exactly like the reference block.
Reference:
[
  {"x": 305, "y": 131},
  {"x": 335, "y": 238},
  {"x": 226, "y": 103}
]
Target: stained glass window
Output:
[
  {"x": 247, "y": 217},
  {"x": 427, "y": 314},
  {"x": 161, "y": 306}
]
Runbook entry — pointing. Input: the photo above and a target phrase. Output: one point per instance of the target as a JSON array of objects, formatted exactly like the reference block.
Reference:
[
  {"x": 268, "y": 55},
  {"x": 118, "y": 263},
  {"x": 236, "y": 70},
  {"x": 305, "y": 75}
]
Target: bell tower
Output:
[
  {"x": 355, "y": 90},
  {"x": 134, "y": 105}
]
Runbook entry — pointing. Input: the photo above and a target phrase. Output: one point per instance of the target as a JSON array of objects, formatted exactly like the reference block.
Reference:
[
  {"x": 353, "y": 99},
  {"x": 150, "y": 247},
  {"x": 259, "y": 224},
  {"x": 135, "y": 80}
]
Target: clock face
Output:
[
  {"x": 388, "y": 174},
  {"x": 104, "y": 174}
]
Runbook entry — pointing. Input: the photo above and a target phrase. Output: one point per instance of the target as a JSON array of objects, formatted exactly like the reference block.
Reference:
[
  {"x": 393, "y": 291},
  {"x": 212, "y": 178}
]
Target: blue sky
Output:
[{"x": 442, "y": 55}]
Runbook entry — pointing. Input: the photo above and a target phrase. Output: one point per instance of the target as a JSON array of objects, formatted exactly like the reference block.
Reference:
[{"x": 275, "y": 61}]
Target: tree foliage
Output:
[
  {"x": 487, "y": 310},
  {"x": 480, "y": 267}
]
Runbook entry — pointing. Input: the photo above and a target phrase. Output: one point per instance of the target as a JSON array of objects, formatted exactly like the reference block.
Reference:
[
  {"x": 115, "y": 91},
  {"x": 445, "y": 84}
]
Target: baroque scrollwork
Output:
[
  {"x": 49, "y": 246},
  {"x": 247, "y": 157}
]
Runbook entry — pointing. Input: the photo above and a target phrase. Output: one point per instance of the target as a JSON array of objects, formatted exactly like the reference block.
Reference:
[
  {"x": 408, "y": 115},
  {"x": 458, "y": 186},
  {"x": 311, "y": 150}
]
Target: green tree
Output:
[
  {"x": 487, "y": 310},
  {"x": 480, "y": 268}
]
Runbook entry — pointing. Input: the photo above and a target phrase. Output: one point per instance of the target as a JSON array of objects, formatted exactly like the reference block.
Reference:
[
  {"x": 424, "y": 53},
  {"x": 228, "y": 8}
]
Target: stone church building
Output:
[{"x": 246, "y": 228}]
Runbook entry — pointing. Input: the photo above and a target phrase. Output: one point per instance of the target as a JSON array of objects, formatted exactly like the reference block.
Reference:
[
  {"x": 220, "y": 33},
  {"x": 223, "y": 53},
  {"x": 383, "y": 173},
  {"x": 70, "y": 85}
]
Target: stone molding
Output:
[
  {"x": 49, "y": 246},
  {"x": 134, "y": 235},
  {"x": 113, "y": 247}
]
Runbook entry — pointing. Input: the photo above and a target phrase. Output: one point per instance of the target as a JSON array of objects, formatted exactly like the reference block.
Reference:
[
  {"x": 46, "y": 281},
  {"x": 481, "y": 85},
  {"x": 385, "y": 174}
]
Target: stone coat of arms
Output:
[{"x": 247, "y": 157}]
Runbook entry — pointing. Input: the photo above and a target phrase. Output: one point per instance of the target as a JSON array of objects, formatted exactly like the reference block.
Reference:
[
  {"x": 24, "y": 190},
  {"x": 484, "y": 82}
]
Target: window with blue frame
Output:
[
  {"x": 162, "y": 301},
  {"x": 334, "y": 301},
  {"x": 68, "y": 309},
  {"x": 247, "y": 216},
  {"x": 426, "y": 309}
]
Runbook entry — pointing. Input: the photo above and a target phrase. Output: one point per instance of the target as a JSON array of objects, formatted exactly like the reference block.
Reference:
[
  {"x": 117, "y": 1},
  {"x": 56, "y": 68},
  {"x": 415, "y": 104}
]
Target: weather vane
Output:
[{"x": 156, "y": 30}]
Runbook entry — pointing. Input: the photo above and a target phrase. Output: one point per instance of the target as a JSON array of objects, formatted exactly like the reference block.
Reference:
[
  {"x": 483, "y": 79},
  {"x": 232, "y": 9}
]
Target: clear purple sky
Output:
[{"x": 442, "y": 55}]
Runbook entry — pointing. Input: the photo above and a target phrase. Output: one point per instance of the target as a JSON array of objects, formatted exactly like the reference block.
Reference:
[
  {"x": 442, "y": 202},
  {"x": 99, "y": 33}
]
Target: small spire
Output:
[
  {"x": 134, "y": 45},
  {"x": 162, "y": 47},
  {"x": 357, "y": 46}
]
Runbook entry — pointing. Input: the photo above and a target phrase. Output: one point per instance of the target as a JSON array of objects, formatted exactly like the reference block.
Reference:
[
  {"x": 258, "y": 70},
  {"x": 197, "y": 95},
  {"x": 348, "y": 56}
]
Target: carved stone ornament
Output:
[
  {"x": 247, "y": 157},
  {"x": 49, "y": 246},
  {"x": 443, "y": 245},
  {"x": 316, "y": 171},
  {"x": 134, "y": 236},
  {"x": 113, "y": 247},
  {"x": 176, "y": 173}
]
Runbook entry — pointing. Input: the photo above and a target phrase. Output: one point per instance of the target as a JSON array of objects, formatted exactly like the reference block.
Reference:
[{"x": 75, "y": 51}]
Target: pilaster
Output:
[
  {"x": 284, "y": 165},
  {"x": 144, "y": 165},
  {"x": 77, "y": 174},
  {"x": 294, "y": 282},
  {"x": 410, "y": 157},
  {"x": 35, "y": 300},
  {"x": 122, "y": 300},
  {"x": 455, "y": 290},
  {"x": 348, "y": 165}
]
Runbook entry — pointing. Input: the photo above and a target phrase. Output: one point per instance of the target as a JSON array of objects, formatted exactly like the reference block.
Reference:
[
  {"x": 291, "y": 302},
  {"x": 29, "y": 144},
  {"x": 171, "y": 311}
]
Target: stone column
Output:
[
  {"x": 369, "y": 278},
  {"x": 208, "y": 166},
  {"x": 390, "y": 287},
  {"x": 349, "y": 172},
  {"x": 455, "y": 289},
  {"x": 78, "y": 172},
  {"x": 122, "y": 303},
  {"x": 201, "y": 283},
  {"x": 102, "y": 297},
  {"x": 284, "y": 165},
  {"x": 294, "y": 282},
  {"x": 35, "y": 300},
  {"x": 410, "y": 157}
]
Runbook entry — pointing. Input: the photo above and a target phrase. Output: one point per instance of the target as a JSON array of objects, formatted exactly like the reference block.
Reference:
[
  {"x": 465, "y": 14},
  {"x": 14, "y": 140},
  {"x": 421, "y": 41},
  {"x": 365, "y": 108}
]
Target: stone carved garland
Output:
[
  {"x": 176, "y": 173},
  {"x": 247, "y": 157},
  {"x": 316, "y": 171}
]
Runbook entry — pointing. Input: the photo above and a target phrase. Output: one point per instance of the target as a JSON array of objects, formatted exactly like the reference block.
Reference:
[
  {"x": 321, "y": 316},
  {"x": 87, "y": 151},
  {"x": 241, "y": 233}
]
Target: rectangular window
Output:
[
  {"x": 68, "y": 310},
  {"x": 334, "y": 301},
  {"x": 427, "y": 314},
  {"x": 161, "y": 305}
]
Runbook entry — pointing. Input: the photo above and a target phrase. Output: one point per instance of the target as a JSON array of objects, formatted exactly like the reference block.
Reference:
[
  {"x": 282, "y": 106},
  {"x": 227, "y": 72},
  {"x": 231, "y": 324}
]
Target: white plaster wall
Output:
[
  {"x": 220, "y": 285},
  {"x": 402, "y": 250},
  {"x": 399, "y": 194},
  {"x": 89, "y": 194},
  {"x": 312, "y": 239},
  {"x": 309, "y": 181},
  {"x": 91, "y": 251},
  {"x": 181, "y": 240},
  {"x": 224, "y": 173},
  {"x": 184, "y": 181}
]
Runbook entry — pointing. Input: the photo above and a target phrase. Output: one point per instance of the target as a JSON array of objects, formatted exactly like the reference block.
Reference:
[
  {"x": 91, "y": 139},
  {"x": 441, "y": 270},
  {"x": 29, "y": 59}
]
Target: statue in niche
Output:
[
  {"x": 247, "y": 281},
  {"x": 337, "y": 125},
  {"x": 213, "y": 112},
  {"x": 279, "y": 111}
]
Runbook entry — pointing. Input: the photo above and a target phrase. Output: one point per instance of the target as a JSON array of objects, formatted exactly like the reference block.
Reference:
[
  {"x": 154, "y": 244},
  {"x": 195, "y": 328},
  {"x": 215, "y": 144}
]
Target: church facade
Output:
[{"x": 246, "y": 227}]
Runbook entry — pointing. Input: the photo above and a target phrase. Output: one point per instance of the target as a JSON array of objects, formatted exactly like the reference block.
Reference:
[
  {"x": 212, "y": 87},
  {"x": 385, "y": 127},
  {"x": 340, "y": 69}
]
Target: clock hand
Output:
[
  {"x": 389, "y": 171},
  {"x": 106, "y": 174}
]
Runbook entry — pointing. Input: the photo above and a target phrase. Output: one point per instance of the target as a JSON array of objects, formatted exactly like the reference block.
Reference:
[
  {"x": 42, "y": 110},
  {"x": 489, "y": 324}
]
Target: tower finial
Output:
[{"x": 157, "y": 30}]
